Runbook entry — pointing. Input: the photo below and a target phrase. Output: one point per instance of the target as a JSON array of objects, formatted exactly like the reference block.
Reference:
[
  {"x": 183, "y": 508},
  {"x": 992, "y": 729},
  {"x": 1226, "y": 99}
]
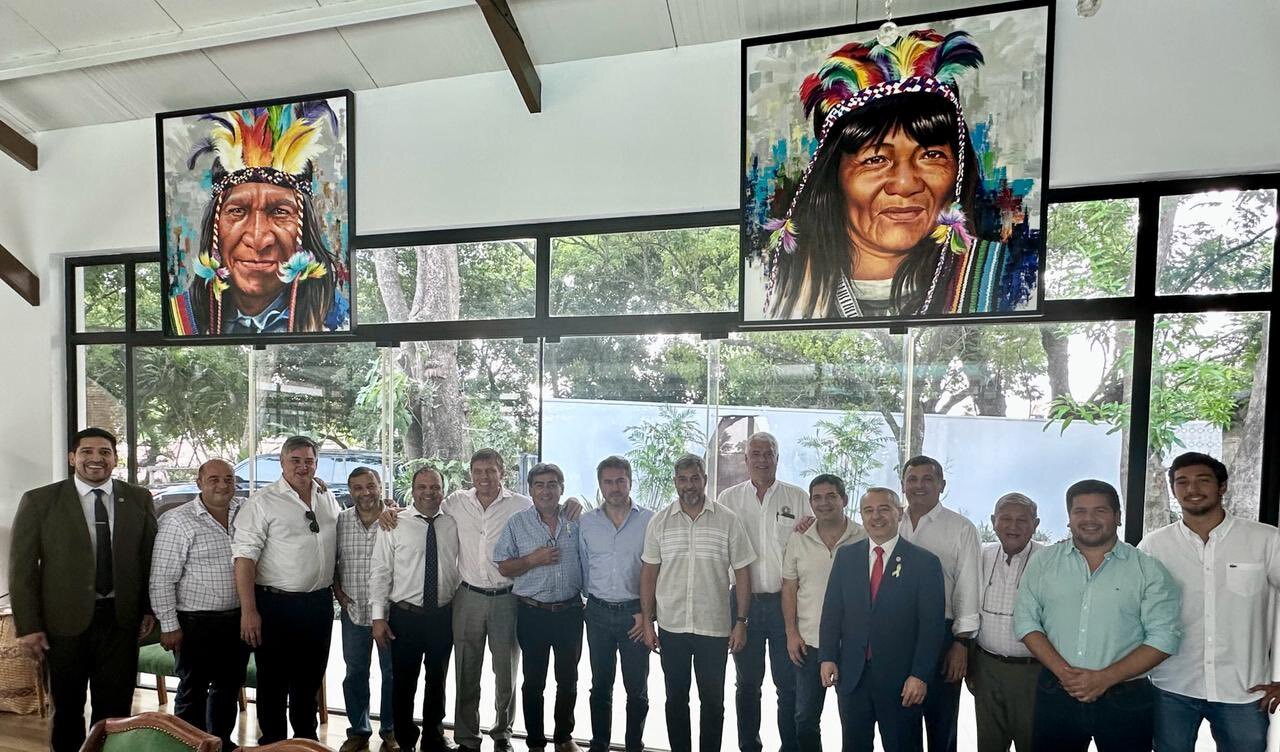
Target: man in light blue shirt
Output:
[
  {"x": 1098, "y": 614},
  {"x": 612, "y": 540},
  {"x": 539, "y": 551}
]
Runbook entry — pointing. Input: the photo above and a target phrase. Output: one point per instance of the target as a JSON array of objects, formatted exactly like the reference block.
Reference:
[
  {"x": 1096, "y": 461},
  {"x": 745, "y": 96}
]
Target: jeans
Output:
[
  {"x": 1118, "y": 721},
  {"x": 765, "y": 625},
  {"x": 357, "y": 641},
  {"x": 609, "y": 645},
  {"x": 811, "y": 697},
  {"x": 685, "y": 655},
  {"x": 542, "y": 633},
  {"x": 1235, "y": 727},
  {"x": 211, "y": 667}
]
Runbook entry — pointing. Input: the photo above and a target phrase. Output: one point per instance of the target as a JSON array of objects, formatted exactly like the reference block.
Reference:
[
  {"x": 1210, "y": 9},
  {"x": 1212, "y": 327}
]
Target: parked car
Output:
[{"x": 333, "y": 467}]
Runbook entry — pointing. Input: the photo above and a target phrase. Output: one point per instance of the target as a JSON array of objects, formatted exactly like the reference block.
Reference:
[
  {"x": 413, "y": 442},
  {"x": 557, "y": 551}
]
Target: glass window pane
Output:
[
  {"x": 1208, "y": 394},
  {"x": 101, "y": 395},
  {"x": 1220, "y": 241},
  {"x": 1029, "y": 408},
  {"x": 665, "y": 271},
  {"x": 100, "y": 298},
  {"x": 192, "y": 406},
  {"x": 454, "y": 282},
  {"x": 146, "y": 279},
  {"x": 1091, "y": 249}
]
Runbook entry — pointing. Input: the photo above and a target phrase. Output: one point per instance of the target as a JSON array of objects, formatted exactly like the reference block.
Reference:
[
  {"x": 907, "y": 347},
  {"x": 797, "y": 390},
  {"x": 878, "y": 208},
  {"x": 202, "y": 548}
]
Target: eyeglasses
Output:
[
  {"x": 986, "y": 593},
  {"x": 311, "y": 521}
]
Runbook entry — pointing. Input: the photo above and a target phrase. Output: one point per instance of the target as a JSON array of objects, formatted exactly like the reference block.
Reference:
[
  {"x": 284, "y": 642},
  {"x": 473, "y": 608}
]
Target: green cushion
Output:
[
  {"x": 251, "y": 673},
  {"x": 143, "y": 740},
  {"x": 154, "y": 659}
]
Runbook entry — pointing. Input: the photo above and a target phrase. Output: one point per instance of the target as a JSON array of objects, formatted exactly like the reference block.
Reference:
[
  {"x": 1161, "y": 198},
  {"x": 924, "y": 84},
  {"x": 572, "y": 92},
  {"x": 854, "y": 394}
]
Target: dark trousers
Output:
[
  {"x": 291, "y": 660},
  {"x": 811, "y": 697},
  {"x": 765, "y": 625},
  {"x": 423, "y": 640},
  {"x": 609, "y": 645},
  {"x": 684, "y": 656},
  {"x": 877, "y": 699},
  {"x": 103, "y": 660},
  {"x": 942, "y": 705},
  {"x": 1121, "y": 720},
  {"x": 211, "y": 665},
  {"x": 541, "y": 633}
]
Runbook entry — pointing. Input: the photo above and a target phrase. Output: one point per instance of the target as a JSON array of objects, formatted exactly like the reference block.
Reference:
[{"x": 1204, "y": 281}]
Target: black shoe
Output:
[{"x": 502, "y": 745}]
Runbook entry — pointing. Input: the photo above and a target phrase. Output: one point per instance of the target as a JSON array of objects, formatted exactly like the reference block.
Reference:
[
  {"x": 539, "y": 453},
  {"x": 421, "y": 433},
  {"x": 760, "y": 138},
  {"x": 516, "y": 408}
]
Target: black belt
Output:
[
  {"x": 411, "y": 608},
  {"x": 759, "y": 596},
  {"x": 1016, "y": 661},
  {"x": 229, "y": 613},
  {"x": 294, "y": 593},
  {"x": 491, "y": 592},
  {"x": 552, "y": 607},
  {"x": 629, "y": 606}
]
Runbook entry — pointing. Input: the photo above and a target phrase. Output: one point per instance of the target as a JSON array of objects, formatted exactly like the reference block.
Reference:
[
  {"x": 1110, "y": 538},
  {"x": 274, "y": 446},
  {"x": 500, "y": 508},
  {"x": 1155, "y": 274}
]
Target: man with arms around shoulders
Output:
[
  {"x": 806, "y": 568},
  {"x": 285, "y": 546},
  {"x": 1002, "y": 672},
  {"x": 881, "y": 630},
  {"x": 954, "y": 540},
  {"x": 689, "y": 548},
  {"x": 193, "y": 592},
  {"x": 357, "y": 531},
  {"x": 1228, "y": 568},
  {"x": 769, "y": 509},
  {"x": 539, "y": 550},
  {"x": 1098, "y": 614},
  {"x": 610, "y": 545},
  {"x": 412, "y": 581},
  {"x": 79, "y": 563}
]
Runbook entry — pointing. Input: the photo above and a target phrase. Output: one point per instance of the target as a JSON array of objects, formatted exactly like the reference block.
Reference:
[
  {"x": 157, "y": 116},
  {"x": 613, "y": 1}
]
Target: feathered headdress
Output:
[{"x": 919, "y": 62}]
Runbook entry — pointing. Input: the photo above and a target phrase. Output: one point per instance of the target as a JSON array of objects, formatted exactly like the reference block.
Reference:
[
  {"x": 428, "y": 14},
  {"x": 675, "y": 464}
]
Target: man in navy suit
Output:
[{"x": 883, "y": 621}]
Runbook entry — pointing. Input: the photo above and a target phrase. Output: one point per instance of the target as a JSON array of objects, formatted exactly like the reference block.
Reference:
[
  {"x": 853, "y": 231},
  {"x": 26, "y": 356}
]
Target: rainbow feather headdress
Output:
[{"x": 859, "y": 73}]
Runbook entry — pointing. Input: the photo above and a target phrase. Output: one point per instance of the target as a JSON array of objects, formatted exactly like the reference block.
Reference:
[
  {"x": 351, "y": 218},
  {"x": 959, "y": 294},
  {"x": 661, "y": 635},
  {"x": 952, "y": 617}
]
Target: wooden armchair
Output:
[{"x": 148, "y": 732}]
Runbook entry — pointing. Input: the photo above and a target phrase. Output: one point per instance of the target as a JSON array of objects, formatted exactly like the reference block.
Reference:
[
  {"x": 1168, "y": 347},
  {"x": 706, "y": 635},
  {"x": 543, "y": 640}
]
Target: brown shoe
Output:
[
  {"x": 569, "y": 746},
  {"x": 389, "y": 743},
  {"x": 355, "y": 744}
]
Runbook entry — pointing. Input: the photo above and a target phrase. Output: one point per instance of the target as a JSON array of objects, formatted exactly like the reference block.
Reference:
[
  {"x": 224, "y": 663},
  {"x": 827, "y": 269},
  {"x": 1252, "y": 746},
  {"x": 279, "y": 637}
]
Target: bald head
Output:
[{"x": 217, "y": 482}]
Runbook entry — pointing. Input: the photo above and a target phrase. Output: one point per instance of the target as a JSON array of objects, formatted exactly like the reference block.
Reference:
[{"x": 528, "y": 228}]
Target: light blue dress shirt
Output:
[
  {"x": 611, "y": 555},
  {"x": 525, "y": 533}
]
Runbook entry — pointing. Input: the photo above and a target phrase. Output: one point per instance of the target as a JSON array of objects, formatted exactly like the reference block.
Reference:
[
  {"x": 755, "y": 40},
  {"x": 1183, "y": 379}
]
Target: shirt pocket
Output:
[{"x": 1245, "y": 578}]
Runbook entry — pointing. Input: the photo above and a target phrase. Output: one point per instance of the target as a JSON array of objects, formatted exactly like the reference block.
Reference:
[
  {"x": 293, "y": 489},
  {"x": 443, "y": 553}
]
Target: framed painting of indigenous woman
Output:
[
  {"x": 256, "y": 217},
  {"x": 898, "y": 173}
]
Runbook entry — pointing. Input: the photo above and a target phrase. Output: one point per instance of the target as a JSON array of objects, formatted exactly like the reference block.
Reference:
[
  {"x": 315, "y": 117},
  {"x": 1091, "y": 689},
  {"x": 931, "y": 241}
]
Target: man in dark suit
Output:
[
  {"x": 881, "y": 633},
  {"x": 79, "y": 564}
]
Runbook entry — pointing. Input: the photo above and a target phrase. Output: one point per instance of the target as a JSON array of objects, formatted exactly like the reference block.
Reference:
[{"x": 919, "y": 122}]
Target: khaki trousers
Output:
[{"x": 1004, "y": 697}]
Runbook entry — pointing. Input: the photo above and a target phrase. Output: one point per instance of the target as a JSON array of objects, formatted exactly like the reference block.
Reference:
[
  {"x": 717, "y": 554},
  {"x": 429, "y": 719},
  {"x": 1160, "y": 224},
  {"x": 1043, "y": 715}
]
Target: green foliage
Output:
[
  {"x": 1091, "y": 249},
  {"x": 657, "y": 445},
  {"x": 456, "y": 473},
  {"x": 848, "y": 448},
  {"x": 1218, "y": 241}
]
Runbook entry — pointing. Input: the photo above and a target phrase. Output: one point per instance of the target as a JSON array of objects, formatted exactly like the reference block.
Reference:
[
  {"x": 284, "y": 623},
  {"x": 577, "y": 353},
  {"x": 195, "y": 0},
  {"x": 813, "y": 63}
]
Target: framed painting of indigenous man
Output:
[
  {"x": 896, "y": 171},
  {"x": 257, "y": 216}
]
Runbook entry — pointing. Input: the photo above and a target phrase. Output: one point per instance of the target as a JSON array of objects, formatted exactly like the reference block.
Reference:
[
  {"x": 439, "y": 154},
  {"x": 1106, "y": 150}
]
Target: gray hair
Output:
[
  {"x": 892, "y": 494},
  {"x": 1013, "y": 497},
  {"x": 766, "y": 437},
  {"x": 691, "y": 460}
]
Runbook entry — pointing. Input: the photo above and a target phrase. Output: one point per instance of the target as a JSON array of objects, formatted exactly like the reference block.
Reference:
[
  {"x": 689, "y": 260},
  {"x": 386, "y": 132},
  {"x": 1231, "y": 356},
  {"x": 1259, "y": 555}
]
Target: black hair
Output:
[
  {"x": 92, "y": 432},
  {"x": 924, "y": 460},
  {"x": 830, "y": 479},
  {"x": 1187, "y": 459},
  {"x": 1094, "y": 486},
  {"x": 545, "y": 468},
  {"x": 487, "y": 455},
  {"x": 362, "y": 470}
]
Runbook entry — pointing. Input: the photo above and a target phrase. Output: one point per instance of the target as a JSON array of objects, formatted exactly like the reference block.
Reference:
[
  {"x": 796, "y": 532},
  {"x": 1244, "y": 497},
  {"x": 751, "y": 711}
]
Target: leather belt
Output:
[
  {"x": 1016, "y": 661},
  {"x": 552, "y": 607},
  {"x": 411, "y": 608},
  {"x": 628, "y": 606},
  {"x": 491, "y": 592}
]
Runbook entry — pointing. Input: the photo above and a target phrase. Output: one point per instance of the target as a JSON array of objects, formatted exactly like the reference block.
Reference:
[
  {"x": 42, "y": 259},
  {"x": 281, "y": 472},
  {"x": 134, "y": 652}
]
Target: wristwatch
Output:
[{"x": 743, "y": 620}]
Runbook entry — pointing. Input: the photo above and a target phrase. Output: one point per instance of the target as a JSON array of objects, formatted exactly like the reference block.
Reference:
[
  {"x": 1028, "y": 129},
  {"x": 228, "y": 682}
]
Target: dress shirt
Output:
[
  {"x": 88, "y": 504},
  {"x": 611, "y": 555},
  {"x": 769, "y": 523},
  {"x": 526, "y": 533},
  {"x": 478, "y": 532},
  {"x": 1094, "y": 620},
  {"x": 952, "y": 538},
  {"x": 886, "y": 549},
  {"x": 191, "y": 568},
  {"x": 695, "y": 556},
  {"x": 1227, "y": 586},
  {"x": 355, "y": 547},
  {"x": 272, "y": 529},
  {"x": 396, "y": 569},
  {"x": 1001, "y": 575},
  {"x": 807, "y": 560}
]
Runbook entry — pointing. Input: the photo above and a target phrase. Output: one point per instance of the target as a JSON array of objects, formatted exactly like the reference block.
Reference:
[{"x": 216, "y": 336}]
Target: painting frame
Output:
[
  {"x": 334, "y": 231},
  {"x": 754, "y": 276}
]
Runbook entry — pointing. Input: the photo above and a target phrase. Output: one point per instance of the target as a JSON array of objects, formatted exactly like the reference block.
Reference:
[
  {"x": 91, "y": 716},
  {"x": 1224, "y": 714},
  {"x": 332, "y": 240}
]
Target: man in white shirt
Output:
[
  {"x": 954, "y": 540},
  {"x": 1002, "y": 672},
  {"x": 1228, "y": 568},
  {"x": 769, "y": 509},
  {"x": 689, "y": 549},
  {"x": 285, "y": 545},
  {"x": 412, "y": 580}
]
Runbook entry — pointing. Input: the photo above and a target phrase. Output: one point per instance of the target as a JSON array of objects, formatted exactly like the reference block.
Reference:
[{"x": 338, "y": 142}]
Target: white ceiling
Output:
[{"x": 66, "y": 63}]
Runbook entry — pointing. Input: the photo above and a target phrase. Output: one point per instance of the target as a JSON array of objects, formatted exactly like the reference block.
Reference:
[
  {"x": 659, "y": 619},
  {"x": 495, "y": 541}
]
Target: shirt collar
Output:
[
  {"x": 232, "y": 506},
  {"x": 850, "y": 528},
  {"x": 275, "y": 312},
  {"x": 1120, "y": 550},
  {"x": 888, "y": 546},
  {"x": 676, "y": 509},
  {"x": 84, "y": 488},
  {"x": 432, "y": 518},
  {"x": 1218, "y": 533}
]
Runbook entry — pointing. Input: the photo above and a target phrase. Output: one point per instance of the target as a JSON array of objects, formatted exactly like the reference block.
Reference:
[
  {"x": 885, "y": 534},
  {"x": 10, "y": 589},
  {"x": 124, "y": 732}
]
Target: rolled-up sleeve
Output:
[
  {"x": 381, "y": 569},
  {"x": 1028, "y": 609},
  {"x": 964, "y": 601},
  {"x": 168, "y": 556},
  {"x": 1161, "y": 607},
  {"x": 251, "y": 532}
]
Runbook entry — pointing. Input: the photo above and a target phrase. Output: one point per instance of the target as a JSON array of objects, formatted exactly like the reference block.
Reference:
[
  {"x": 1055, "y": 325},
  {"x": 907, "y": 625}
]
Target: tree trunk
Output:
[
  {"x": 1057, "y": 357},
  {"x": 1245, "y": 491},
  {"x": 1156, "y": 511}
]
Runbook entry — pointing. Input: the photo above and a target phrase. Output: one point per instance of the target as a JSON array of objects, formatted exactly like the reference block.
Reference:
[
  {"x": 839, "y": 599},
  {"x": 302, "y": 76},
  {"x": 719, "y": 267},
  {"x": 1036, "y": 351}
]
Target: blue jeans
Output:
[
  {"x": 1235, "y": 728},
  {"x": 765, "y": 625},
  {"x": 811, "y": 697},
  {"x": 609, "y": 646},
  {"x": 357, "y": 643}
]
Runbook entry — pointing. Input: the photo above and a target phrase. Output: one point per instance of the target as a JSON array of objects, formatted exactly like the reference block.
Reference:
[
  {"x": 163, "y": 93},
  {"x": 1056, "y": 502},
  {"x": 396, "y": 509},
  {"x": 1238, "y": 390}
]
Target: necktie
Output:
[
  {"x": 102, "y": 579},
  {"x": 877, "y": 573},
  {"x": 431, "y": 578}
]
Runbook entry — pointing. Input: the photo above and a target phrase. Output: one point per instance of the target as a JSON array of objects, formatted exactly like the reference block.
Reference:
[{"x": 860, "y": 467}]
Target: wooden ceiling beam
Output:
[
  {"x": 497, "y": 13},
  {"x": 19, "y": 277},
  {"x": 17, "y": 146}
]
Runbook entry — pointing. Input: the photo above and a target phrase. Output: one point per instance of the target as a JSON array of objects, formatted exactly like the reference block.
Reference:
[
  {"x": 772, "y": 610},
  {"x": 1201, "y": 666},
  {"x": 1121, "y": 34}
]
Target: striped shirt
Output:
[
  {"x": 191, "y": 568},
  {"x": 351, "y": 573},
  {"x": 526, "y": 533}
]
